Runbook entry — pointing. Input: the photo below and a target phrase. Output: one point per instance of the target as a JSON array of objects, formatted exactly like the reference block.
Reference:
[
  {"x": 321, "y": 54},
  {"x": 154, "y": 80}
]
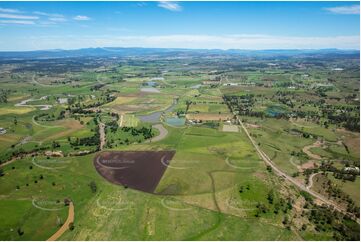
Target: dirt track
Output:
[
  {"x": 310, "y": 183},
  {"x": 307, "y": 151},
  {"x": 163, "y": 132},
  {"x": 65, "y": 226}
]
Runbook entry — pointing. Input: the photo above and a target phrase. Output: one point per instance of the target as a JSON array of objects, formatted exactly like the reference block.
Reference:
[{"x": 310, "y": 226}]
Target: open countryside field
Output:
[{"x": 149, "y": 147}]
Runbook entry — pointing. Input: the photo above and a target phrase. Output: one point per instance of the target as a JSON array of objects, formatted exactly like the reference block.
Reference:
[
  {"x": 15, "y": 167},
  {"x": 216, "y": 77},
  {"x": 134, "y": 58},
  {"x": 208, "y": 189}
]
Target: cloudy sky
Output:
[{"x": 221, "y": 25}]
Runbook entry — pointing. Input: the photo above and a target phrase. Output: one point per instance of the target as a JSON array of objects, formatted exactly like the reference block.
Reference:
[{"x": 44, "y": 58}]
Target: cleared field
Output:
[
  {"x": 140, "y": 170},
  {"x": 128, "y": 120},
  {"x": 209, "y": 116},
  {"x": 230, "y": 128},
  {"x": 17, "y": 110}
]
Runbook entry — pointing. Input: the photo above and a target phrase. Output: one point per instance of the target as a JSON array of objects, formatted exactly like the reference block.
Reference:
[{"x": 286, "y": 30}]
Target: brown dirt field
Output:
[
  {"x": 140, "y": 170},
  {"x": 209, "y": 116},
  {"x": 252, "y": 126},
  {"x": 71, "y": 125},
  {"x": 307, "y": 165}
]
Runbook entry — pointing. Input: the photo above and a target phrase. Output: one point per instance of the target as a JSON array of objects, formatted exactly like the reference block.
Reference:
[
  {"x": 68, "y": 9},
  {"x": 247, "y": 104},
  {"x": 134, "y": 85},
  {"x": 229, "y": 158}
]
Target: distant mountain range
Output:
[{"x": 126, "y": 52}]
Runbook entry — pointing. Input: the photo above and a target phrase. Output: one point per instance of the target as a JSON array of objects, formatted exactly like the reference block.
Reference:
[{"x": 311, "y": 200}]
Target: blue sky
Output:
[{"x": 222, "y": 25}]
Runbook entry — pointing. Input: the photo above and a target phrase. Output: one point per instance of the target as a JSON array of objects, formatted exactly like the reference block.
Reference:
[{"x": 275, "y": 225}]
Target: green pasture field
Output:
[{"x": 352, "y": 188}]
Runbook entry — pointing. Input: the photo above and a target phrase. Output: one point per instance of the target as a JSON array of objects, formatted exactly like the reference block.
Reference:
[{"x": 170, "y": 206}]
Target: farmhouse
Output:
[{"x": 63, "y": 100}]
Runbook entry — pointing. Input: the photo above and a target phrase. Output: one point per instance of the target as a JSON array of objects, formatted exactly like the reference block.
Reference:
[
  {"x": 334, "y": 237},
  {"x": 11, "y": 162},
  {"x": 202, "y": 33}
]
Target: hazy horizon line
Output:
[{"x": 182, "y": 48}]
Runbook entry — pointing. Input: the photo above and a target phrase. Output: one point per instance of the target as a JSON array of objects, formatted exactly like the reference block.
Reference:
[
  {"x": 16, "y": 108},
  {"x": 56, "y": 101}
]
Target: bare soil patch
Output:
[
  {"x": 254, "y": 126},
  {"x": 308, "y": 165},
  {"x": 209, "y": 116},
  {"x": 140, "y": 170},
  {"x": 230, "y": 128}
]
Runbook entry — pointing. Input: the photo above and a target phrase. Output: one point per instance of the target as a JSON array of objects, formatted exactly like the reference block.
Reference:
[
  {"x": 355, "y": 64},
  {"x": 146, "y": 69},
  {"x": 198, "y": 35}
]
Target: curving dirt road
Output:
[
  {"x": 269, "y": 162},
  {"x": 163, "y": 132},
  {"x": 65, "y": 226},
  {"x": 310, "y": 180},
  {"x": 307, "y": 151}
]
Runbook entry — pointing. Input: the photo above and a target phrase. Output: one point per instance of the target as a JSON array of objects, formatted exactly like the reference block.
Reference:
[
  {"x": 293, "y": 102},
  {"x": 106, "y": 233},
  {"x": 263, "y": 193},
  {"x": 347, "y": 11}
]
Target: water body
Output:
[
  {"x": 155, "y": 117},
  {"x": 274, "y": 110},
  {"x": 175, "y": 121}
]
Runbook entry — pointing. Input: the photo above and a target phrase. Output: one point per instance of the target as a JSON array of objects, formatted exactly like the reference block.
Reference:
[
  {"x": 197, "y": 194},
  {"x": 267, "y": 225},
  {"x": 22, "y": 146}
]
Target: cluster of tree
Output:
[
  {"x": 96, "y": 87},
  {"x": 343, "y": 174},
  {"x": 107, "y": 97},
  {"x": 135, "y": 131},
  {"x": 61, "y": 115},
  {"x": 338, "y": 194},
  {"x": 55, "y": 144},
  {"x": 303, "y": 133},
  {"x": 241, "y": 103},
  {"x": 342, "y": 226},
  {"x": 4, "y": 93},
  {"x": 87, "y": 141},
  {"x": 21, "y": 153},
  {"x": 126, "y": 135},
  {"x": 93, "y": 186},
  {"x": 345, "y": 116},
  {"x": 44, "y": 117}
]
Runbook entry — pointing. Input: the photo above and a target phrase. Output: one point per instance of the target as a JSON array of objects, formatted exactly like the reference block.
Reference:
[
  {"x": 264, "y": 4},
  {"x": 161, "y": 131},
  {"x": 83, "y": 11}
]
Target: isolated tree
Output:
[
  {"x": 270, "y": 197},
  {"x": 93, "y": 186},
  {"x": 20, "y": 231},
  {"x": 269, "y": 168},
  {"x": 71, "y": 226}
]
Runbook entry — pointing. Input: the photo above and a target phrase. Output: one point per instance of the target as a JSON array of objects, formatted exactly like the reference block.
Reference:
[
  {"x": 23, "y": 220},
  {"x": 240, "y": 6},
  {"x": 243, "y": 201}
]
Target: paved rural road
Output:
[
  {"x": 65, "y": 226},
  {"x": 101, "y": 135},
  {"x": 162, "y": 133},
  {"x": 269, "y": 162}
]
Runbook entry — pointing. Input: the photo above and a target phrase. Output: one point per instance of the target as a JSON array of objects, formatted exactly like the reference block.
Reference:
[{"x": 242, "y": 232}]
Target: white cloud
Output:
[
  {"x": 15, "y": 16},
  {"x": 58, "y": 19},
  {"x": 353, "y": 9},
  {"x": 9, "y": 10},
  {"x": 81, "y": 18},
  {"x": 172, "y": 6},
  {"x": 255, "y": 42},
  {"x": 141, "y": 4},
  {"x": 22, "y": 22},
  {"x": 53, "y": 15}
]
